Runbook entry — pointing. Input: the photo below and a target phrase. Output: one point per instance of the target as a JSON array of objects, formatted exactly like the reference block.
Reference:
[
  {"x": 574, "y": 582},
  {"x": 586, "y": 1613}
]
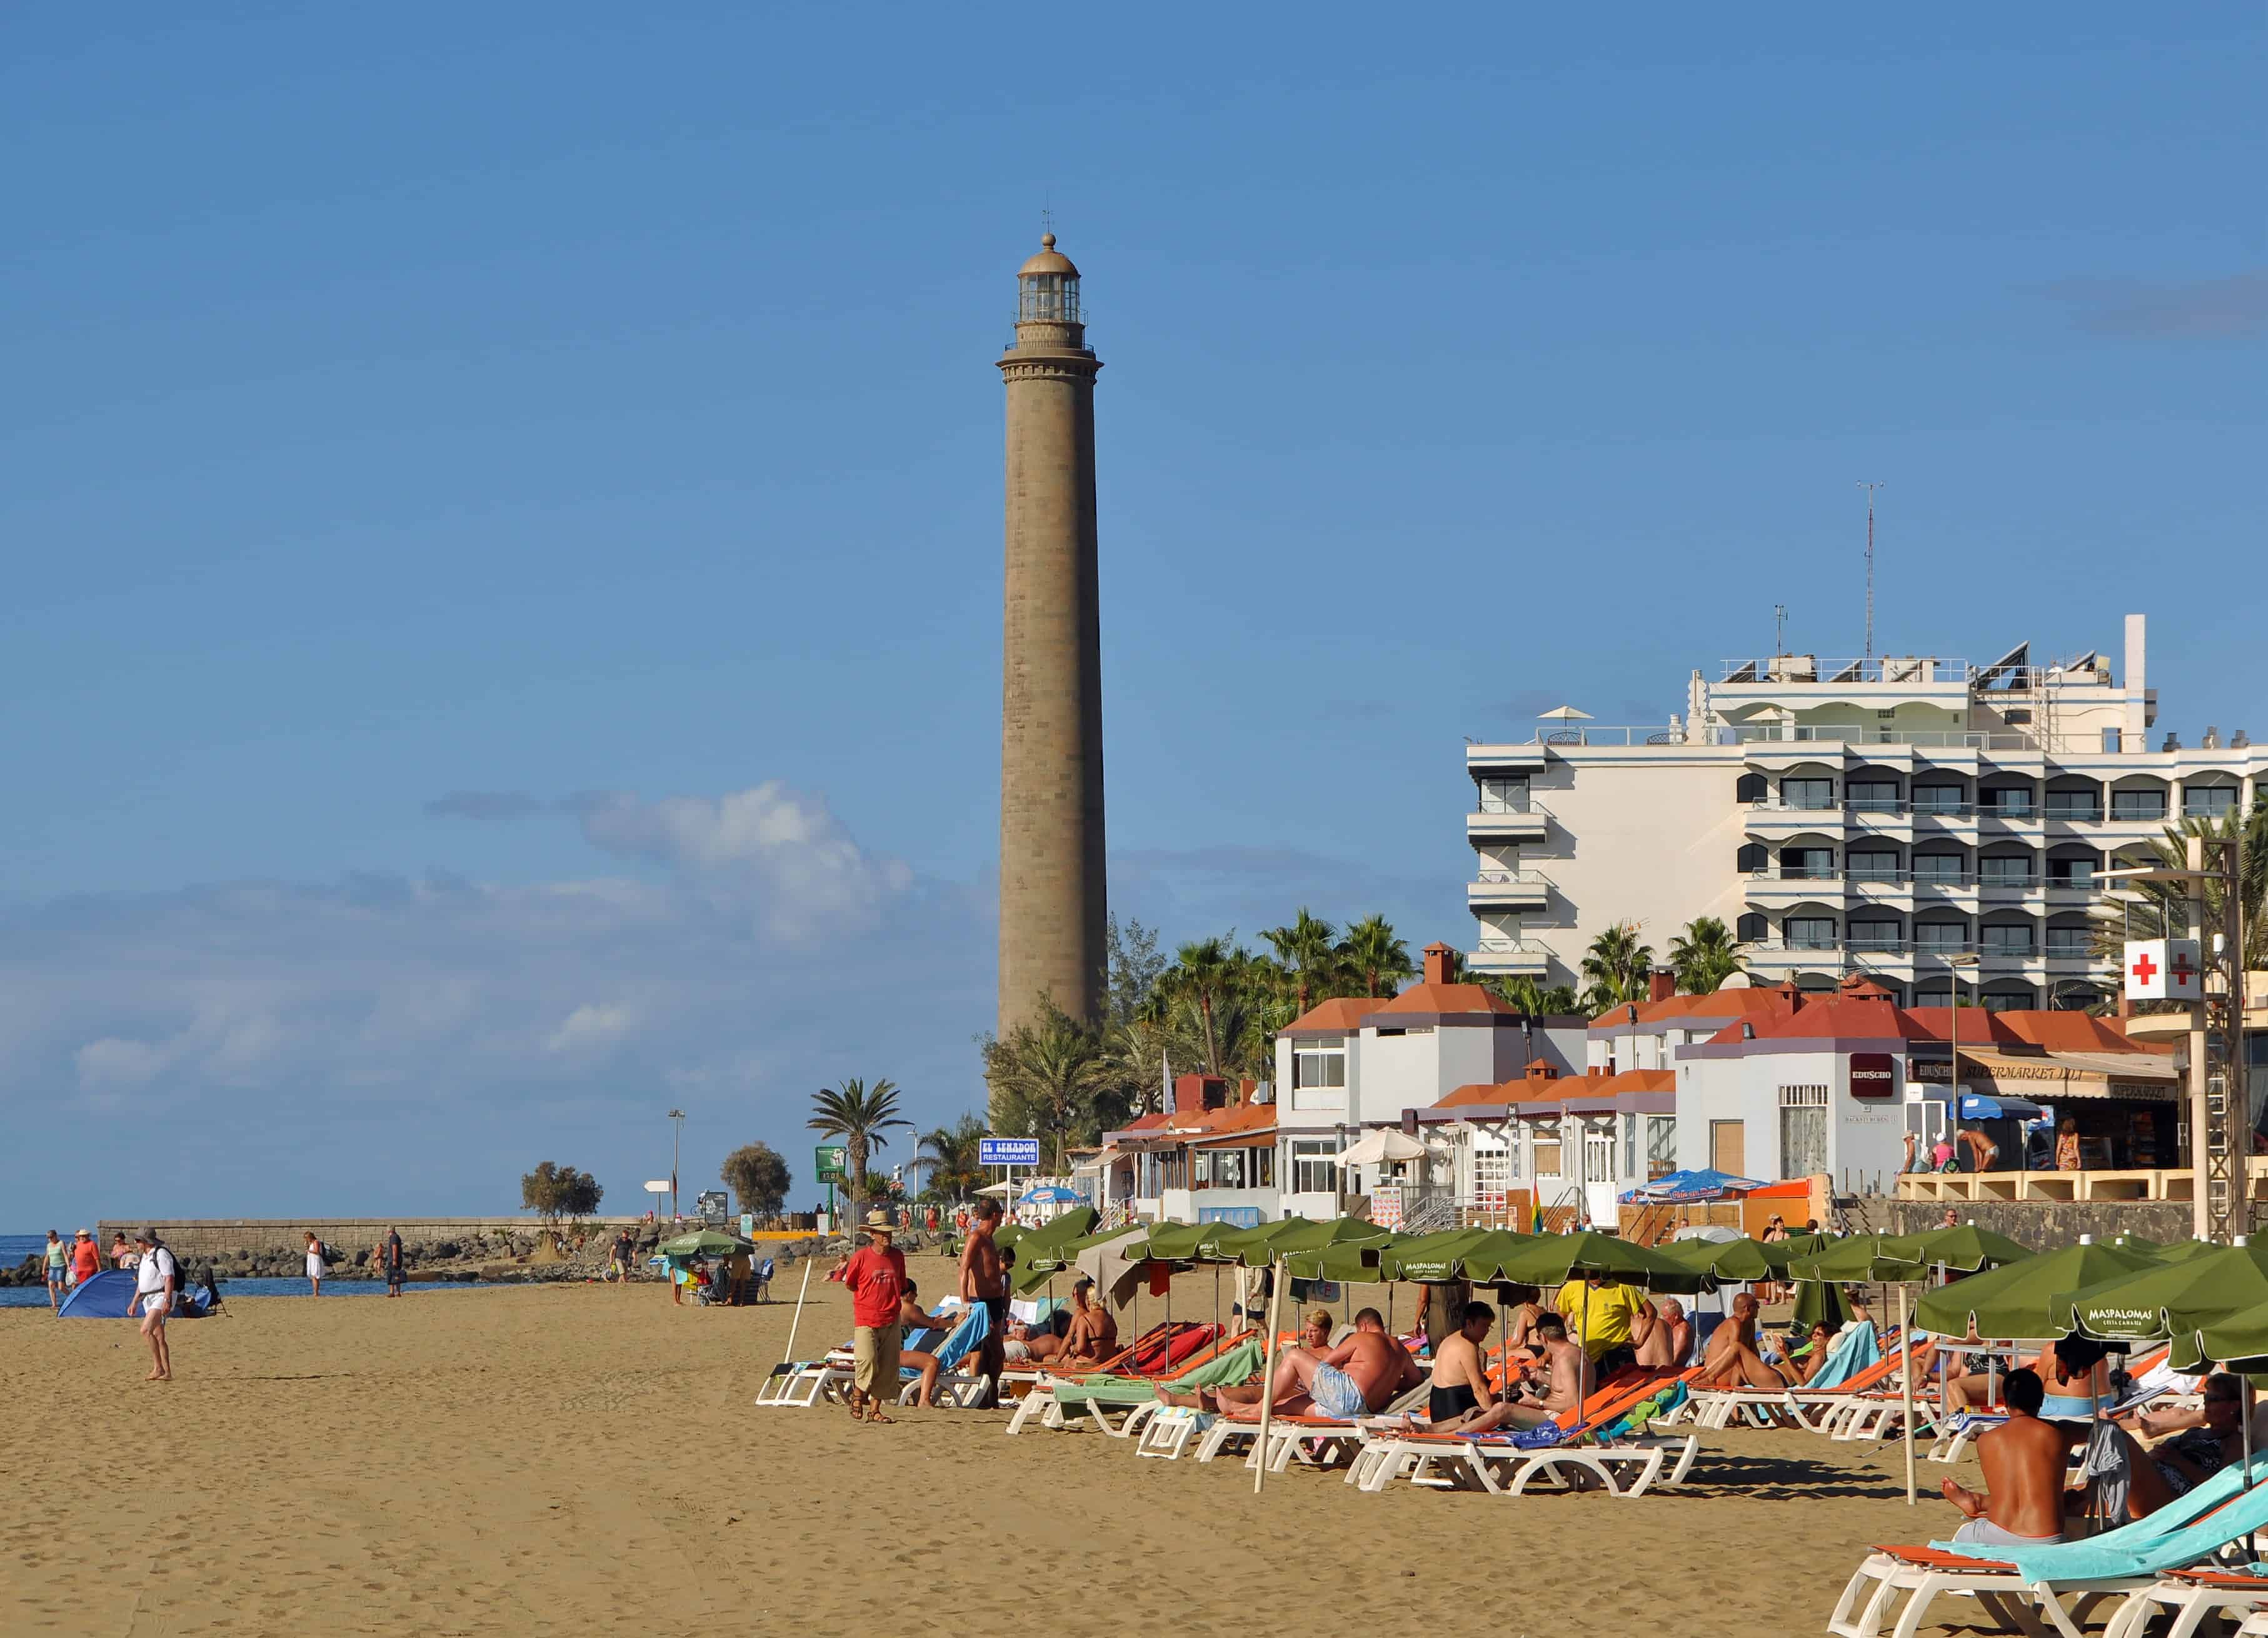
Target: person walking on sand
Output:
[
  {"x": 984, "y": 1279},
  {"x": 58, "y": 1262},
  {"x": 87, "y": 1259},
  {"x": 316, "y": 1267},
  {"x": 156, "y": 1278},
  {"x": 876, "y": 1274},
  {"x": 389, "y": 1258}
]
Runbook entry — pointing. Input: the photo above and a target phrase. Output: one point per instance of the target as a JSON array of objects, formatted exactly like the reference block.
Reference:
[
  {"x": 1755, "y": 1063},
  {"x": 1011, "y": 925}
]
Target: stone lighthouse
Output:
[{"x": 1052, "y": 860}]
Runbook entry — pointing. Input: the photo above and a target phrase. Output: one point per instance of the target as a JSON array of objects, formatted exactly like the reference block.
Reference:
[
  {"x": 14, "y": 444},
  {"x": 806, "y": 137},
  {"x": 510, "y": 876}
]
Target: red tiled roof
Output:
[
  {"x": 1481, "y": 1092},
  {"x": 1342, "y": 1015},
  {"x": 1846, "y": 1017},
  {"x": 1445, "y": 998},
  {"x": 1149, "y": 1122},
  {"x": 1219, "y": 1123},
  {"x": 1726, "y": 1003}
]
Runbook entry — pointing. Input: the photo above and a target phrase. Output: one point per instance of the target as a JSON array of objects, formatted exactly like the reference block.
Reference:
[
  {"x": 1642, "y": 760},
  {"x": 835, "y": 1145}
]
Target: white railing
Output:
[
  {"x": 1506, "y": 808},
  {"x": 1871, "y": 668},
  {"x": 1509, "y": 946},
  {"x": 1514, "y": 878}
]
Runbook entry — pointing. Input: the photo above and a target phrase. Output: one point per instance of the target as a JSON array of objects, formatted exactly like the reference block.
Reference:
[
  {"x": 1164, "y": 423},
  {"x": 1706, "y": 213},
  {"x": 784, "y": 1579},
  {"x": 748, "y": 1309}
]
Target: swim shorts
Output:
[
  {"x": 1335, "y": 1394},
  {"x": 1984, "y": 1532}
]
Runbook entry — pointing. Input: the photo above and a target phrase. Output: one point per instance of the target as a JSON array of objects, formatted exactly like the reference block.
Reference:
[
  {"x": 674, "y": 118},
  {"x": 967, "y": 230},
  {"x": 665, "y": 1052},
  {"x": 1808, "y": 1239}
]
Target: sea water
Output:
[{"x": 14, "y": 1248}]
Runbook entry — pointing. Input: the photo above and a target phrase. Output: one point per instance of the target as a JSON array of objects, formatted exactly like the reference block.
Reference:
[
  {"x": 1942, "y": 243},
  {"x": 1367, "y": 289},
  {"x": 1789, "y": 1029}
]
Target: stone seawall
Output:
[
  {"x": 224, "y": 1237},
  {"x": 2044, "y": 1225}
]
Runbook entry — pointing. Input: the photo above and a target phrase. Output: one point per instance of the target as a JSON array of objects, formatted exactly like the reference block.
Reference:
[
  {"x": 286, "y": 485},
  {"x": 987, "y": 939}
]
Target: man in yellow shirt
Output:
[{"x": 1603, "y": 1315}]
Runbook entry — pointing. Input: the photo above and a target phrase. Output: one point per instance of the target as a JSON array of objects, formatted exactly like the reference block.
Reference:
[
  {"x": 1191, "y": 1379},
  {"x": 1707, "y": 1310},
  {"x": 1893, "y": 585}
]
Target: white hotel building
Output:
[{"x": 1912, "y": 819}]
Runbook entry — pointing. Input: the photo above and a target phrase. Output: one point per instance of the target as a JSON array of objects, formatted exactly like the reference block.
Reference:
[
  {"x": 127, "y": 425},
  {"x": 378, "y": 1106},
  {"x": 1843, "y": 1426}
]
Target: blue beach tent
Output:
[{"x": 103, "y": 1297}]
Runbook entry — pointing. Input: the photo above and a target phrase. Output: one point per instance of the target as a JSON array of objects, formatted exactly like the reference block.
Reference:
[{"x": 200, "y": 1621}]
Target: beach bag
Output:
[{"x": 1541, "y": 1438}]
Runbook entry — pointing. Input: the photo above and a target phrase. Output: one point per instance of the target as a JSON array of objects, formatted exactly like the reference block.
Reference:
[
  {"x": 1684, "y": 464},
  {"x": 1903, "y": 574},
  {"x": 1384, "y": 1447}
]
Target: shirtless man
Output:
[
  {"x": 1315, "y": 1336},
  {"x": 2022, "y": 1503},
  {"x": 1732, "y": 1360},
  {"x": 1461, "y": 1385},
  {"x": 1358, "y": 1377},
  {"x": 1568, "y": 1383},
  {"x": 984, "y": 1279},
  {"x": 1664, "y": 1335}
]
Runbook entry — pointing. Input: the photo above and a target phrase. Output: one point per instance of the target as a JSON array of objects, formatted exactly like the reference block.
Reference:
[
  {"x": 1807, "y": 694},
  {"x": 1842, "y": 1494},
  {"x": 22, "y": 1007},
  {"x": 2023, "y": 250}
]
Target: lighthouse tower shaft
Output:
[{"x": 1052, "y": 897}]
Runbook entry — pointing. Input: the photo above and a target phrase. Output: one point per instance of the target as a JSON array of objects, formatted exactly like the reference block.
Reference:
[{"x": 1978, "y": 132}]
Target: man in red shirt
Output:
[{"x": 876, "y": 1274}]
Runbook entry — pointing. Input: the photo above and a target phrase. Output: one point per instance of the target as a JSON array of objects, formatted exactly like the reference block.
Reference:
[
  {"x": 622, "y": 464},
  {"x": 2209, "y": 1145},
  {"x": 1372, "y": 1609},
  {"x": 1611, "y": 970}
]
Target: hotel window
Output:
[
  {"x": 2207, "y": 801},
  {"x": 1220, "y": 1169},
  {"x": 1941, "y": 937},
  {"x": 1874, "y": 935},
  {"x": 1943, "y": 868},
  {"x": 1547, "y": 1155},
  {"x": 1660, "y": 1146},
  {"x": 1938, "y": 798},
  {"x": 1317, "y": 1071},
  {"x": 1491, "y": 1173},
  {"x": 1873, "y": 796},
  {"x": 1811, "y": 933},
  {"x": 1809, "y": 793},
  {"x": 1802, "y": 1131},
  {"x": 2008, "y": 871},
  {"x": 1504, "y": 796},
  {"x": 2071, "y": 940},
  {"x": 2138, "y": 804},
  {"x": 1812, "y": 864},
  {"x": 1315, "y": 1166},
  {"x": 2071, "y": 873},
  {"x": 1874, "y": 867},
  {"x": 2007, "y": 940},
  {"x": 2074, "y": 805},
  {"x": 2009, "y": 801},
  {"x": 1629, "y": 1145}
]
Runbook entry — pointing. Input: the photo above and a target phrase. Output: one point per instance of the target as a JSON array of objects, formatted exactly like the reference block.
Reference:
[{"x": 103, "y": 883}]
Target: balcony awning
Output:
[{"x": 1263, "y": 1138}]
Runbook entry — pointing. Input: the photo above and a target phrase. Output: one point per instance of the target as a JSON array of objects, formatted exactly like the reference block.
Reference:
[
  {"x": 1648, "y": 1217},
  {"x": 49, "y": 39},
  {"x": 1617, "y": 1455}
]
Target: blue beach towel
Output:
[
  {"x": 966, "y": 1336},
  {"x": 1846, "y": 1356}
]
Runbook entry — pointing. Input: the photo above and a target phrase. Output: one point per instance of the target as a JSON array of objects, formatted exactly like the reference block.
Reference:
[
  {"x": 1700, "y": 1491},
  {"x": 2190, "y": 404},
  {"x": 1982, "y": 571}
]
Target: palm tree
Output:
[
  {"x": 1307, "y": 947},
  {"x": 951, "y": 1152},
  {"x": 1201, "y": 974},
  {"x": 1617, "y": 966},
  {"x": 860, "y": 1116},
  {"x": 1705, "y": 955},
  {"x": 1375, "y": 954},
  {"x": 2162, "y": 910},
  {"x": 1044, "y": 1078}
]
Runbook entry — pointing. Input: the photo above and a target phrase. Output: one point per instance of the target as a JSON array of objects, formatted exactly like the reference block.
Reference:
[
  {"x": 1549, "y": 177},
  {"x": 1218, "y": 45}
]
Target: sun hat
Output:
[
  {"x": 880, "y": 1219},
  {"x": 83, "y": 1235}
]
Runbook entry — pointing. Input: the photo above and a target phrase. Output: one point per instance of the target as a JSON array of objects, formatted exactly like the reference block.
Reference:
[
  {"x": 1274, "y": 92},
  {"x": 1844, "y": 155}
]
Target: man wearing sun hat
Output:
[{"x": 876, "y": 1274}]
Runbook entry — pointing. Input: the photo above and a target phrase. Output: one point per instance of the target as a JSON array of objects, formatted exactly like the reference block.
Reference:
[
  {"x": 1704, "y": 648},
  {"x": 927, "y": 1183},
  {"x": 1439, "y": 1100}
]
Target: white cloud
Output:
[{"x": 591, "y": 1027}]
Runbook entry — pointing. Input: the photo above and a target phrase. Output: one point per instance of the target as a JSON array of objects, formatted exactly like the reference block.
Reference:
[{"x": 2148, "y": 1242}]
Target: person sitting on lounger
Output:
[
  {"x": 1732, "y": 1360},
  {"x": 1565, "y": 1384},
  {"x": 1664, "y": 1335},
  {"x": 1461, "y": 1383},
  {"x": 2022, "y": 1503},
  {"x": 1094, "y": 1334},
  {"x": 1315, "y": 1336},
  {"x": 911, "y": 1317},
  {"x": 1818, "y": 1344},
  {"x": 1361, "y": 1375}
]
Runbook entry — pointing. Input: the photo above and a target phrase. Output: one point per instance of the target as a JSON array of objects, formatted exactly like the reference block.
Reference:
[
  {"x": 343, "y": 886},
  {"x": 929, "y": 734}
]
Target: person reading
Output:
[
  {"x": 1732, "y": 1360},
  {"x": 911, "y": 1319},
  {"x": 2022, "y": 1503},
  {"x": 1094, "y": 1334},
  {"x": 1821, "y": 1342}
]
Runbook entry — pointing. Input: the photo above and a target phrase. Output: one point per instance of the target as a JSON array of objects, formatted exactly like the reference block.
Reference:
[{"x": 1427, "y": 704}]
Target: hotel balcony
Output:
[
  {"x": 1508, "y": 889},
  {"x": 1514, "y": 956},
  {"x": 1524, "y": 823}
]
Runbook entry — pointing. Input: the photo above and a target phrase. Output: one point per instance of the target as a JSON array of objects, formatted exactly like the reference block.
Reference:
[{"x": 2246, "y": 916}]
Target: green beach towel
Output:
[{"x": 1239, "y": 1362}]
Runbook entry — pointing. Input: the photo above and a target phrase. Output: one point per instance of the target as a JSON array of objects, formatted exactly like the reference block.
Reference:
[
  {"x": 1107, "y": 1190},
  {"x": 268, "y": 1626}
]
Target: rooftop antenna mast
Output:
[
  {"x": 1779, "y": 630},
  {"x": 1870, "y": 488}
]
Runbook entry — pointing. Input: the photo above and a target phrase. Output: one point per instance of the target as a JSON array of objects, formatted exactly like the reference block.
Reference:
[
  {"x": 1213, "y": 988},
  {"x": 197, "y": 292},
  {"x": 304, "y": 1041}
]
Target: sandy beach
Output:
[{"x": 586, "y": 1459}]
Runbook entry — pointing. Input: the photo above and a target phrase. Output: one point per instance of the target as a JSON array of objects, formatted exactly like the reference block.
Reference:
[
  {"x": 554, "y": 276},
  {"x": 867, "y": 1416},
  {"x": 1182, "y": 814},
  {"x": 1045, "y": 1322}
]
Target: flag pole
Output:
[{"x": 1268, "y": 1381}]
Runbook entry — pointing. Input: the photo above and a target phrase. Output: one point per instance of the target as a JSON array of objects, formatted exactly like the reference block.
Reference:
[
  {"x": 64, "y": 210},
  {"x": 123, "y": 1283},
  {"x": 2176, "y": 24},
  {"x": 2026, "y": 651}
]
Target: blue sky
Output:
[{"x": 594, "y": 413}]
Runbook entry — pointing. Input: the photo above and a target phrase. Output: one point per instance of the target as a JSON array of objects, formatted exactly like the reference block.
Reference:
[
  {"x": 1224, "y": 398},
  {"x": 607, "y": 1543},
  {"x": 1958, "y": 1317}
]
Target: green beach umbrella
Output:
[
  {"x": 1817, "y": 1300},
  {"x": 1966, "y": 1249},
  {"x": 2019, "y": 1299},
  {"x": 2182, "y": 1251},
  {"x": 2240, "y": 1342},
  {"x": 1039, "y": 1261},
  {"x": 1862, "y": 1257},
  {"x": 1178, "y": 1243},
  {"x": 1779, "y": 1253},
  {"x": 1728, "y": 1259},
  {"x": 1553, "y": 1260},
  {"x": 2128, "y": 1241},
  {"x": 702, "y": 1242},
  {"x": 1430, "y": 1258},
  {"x": 1070, "y": 1225},
  {"x": 1349, "y": 1262},
  {"x": 2172, "y": 1300}
]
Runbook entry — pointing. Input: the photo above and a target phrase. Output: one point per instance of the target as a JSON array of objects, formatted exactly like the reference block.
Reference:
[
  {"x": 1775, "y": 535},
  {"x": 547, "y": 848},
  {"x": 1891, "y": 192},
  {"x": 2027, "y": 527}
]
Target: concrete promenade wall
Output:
[{"x": 2044, "y": 1225}]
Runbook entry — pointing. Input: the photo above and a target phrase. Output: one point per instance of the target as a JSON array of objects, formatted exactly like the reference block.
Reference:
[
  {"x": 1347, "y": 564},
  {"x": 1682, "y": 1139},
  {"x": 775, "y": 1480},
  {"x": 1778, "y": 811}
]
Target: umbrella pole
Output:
[
  {"x": 1267, "y": 1384},
  {"x": 1216, "y": 1297},
  {"x": 1905, "y": 1384},
  {"x": 798, "y": 1320}
]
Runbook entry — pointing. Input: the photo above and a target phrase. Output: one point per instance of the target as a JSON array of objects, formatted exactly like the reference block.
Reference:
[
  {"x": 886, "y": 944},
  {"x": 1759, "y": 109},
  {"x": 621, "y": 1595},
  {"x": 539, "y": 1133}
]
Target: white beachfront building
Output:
[{"x": 1911, "y": 819}]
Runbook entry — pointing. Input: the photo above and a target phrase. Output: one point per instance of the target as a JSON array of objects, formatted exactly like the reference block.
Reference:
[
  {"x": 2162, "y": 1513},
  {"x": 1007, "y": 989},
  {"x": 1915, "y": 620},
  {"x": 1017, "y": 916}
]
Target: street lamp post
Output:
[{"x": 677, "y": 1130}]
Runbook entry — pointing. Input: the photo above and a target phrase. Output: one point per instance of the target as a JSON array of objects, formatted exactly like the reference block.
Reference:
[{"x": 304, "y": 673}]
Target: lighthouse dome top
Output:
[{"x": 1048, "y": 261}]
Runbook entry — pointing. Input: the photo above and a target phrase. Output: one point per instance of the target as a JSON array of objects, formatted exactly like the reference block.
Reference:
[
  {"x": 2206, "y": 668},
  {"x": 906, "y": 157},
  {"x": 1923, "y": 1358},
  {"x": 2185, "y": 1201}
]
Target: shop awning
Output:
[{"x": 2050, "y": 1077}]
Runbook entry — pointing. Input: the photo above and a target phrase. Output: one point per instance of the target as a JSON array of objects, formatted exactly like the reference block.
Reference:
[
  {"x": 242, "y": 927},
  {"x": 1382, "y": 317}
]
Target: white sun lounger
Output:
[{"x": 1629, "y": 1468}]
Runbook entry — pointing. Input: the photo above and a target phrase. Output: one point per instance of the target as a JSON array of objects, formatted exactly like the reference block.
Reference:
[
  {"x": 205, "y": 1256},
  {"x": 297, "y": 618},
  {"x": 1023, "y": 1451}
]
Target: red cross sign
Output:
[
  {"x": 2163, "y": 969},
  {"x": 2145, "y": 969},
  {"x": 2182, "y": 972}
]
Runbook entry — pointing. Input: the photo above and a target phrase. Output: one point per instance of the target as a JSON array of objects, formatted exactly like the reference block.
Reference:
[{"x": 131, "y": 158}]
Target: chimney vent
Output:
[
  {"x": 1660, "y": 984},
  {"x": 1438, "y": 958}
]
